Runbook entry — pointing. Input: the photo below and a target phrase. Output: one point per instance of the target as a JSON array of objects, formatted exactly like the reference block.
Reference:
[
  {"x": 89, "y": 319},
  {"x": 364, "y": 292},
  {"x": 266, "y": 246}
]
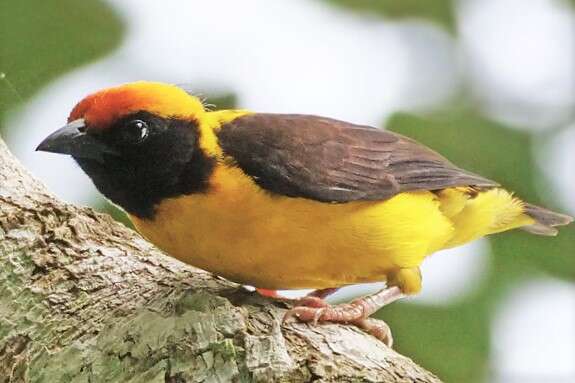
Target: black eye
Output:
[{"x": 135, "y": 132}]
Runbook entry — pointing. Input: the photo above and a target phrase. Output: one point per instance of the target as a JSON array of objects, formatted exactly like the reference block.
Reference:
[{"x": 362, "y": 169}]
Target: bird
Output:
[{"x": 285, "y": 201}]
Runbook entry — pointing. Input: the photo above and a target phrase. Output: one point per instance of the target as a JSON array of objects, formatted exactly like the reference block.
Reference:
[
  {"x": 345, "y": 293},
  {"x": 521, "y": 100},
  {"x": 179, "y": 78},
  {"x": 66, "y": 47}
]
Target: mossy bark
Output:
[{"x": 84, "y": 299}]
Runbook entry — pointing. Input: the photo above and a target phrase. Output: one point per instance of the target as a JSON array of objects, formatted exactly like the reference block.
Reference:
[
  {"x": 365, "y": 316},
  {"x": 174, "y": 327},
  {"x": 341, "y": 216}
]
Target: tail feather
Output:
[{"x": 546, "y": 220}]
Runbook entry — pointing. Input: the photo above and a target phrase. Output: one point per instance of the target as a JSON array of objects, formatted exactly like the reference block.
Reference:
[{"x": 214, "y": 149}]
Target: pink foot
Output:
[{"x": 312, "y": 309}]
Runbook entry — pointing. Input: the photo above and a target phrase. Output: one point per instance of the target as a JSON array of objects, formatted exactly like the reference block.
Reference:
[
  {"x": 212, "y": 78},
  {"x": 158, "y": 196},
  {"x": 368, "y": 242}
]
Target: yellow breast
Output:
[{"x": 245, "y": 234}]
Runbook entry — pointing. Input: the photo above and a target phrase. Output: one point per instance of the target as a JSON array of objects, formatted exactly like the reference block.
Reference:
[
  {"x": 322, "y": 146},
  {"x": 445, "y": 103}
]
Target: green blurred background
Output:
[{"x": 458, "y": 339}]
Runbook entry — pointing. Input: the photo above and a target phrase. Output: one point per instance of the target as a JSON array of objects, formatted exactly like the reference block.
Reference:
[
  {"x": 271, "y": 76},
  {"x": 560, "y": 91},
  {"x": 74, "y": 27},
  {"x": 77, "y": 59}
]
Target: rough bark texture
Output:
[{"x": 84, "y": 299}]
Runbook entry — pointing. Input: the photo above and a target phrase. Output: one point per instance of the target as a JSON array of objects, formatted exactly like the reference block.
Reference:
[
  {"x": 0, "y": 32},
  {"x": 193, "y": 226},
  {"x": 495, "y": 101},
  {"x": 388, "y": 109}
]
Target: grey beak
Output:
[{"x": 73, "y": 140}]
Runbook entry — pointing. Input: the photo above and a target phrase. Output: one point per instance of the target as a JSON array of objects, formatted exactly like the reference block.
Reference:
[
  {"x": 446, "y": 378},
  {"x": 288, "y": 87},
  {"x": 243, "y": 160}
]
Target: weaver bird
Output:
[{"x": 285, "y": 201}]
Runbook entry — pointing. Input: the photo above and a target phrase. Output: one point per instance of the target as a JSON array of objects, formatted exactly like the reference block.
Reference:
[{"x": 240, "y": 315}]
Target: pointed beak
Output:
[{"x": 72, "y": 139}]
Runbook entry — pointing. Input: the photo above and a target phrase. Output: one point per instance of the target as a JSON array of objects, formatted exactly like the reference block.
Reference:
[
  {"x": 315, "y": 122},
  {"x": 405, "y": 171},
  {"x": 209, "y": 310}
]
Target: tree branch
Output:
[{"x": 84, "y": 299}]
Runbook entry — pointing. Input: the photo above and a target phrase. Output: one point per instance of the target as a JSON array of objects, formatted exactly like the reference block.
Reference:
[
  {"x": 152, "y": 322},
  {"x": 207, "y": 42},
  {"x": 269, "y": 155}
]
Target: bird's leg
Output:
[
  {"x": 360, "y": 308},
  {"x": 400, "y": 282},
  {"x": 323, "y": 293},
  {"x": 316, "y": 298},
  {"x": 316, "y": 295},
  {"x": 356, "y": 312},
  {"x": 268, "y": 293}
]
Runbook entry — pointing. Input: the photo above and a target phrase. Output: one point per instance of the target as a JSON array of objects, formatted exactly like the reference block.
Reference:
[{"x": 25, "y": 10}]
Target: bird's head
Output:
[{"x": 136, "y": 141}]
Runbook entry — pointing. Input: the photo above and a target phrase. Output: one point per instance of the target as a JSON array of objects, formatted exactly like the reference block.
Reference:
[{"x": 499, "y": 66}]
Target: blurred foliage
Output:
[
  {"x": 454, "y": 340},
  {"x": 437, "y": 11},
  {"x": 441, "y": 12},
  {"x": 41, "y": 40}
]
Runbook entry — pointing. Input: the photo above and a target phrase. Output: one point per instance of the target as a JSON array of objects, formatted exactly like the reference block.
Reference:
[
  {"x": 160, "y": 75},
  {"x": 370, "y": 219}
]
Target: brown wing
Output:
[{"x": 335, "y": 161}]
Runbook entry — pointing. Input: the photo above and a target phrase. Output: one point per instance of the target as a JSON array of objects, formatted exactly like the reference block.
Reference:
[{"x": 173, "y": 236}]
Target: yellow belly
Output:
[{"x": 249, "y": 236}]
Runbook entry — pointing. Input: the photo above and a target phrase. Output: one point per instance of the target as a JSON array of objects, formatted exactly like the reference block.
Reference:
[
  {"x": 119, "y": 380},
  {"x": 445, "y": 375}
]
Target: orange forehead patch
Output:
[{"x": 101, "y": 109}]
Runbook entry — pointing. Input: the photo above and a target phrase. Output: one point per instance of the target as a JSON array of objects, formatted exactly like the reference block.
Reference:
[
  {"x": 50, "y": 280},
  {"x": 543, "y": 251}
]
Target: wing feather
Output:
[{"x": 334, "y": 161}]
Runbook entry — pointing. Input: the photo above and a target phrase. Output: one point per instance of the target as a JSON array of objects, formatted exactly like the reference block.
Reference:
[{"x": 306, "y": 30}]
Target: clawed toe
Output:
[
  {"x": 311, "y": 302},
  {"x": 377, "y": 328},
  {"x": 304, "y": 314},
  {"x": 307, "y": 309},
  {"x": 314, "y": 315},
  {"x": 313, "y": 309}
]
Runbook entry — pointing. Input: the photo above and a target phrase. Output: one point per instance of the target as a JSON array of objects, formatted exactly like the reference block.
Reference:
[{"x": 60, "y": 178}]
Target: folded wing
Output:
[{"x": 333, "y": 161}]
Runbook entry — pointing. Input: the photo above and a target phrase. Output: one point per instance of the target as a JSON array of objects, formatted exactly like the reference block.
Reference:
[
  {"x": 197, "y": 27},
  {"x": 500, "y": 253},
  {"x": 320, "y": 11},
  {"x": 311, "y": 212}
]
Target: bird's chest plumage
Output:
[{"x": 248, "y": 235}]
